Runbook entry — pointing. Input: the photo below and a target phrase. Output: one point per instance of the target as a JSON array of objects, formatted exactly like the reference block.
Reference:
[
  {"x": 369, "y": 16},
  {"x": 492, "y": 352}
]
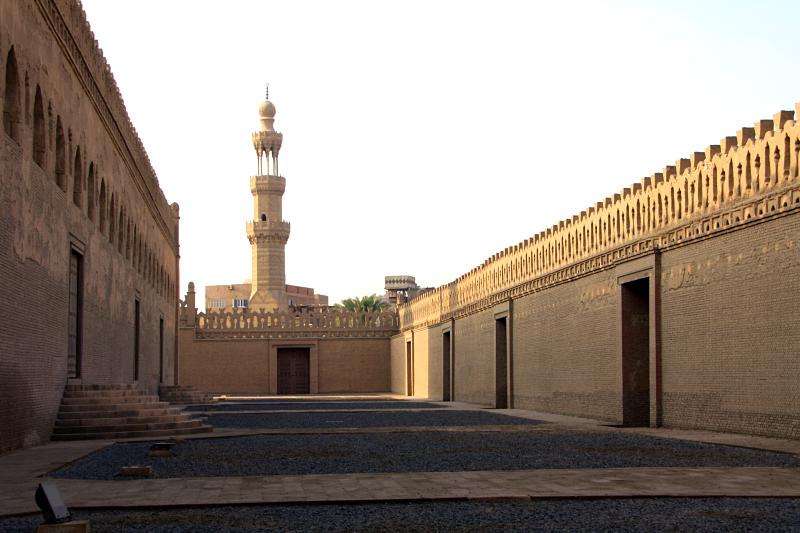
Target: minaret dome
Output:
[{"x": 266, "y": 113}]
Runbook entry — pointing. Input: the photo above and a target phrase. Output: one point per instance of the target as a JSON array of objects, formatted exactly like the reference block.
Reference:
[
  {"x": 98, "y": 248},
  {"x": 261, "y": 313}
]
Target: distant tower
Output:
[{"x": 268, "y": 232}]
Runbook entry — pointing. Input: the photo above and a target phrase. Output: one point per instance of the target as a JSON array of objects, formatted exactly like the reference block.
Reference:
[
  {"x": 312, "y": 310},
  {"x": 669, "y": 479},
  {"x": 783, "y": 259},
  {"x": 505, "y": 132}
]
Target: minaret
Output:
[{"x": 268, "y": 232}]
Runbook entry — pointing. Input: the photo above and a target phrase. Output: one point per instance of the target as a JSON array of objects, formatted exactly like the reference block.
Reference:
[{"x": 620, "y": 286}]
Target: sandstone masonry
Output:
[
  {"x": 88, "y": 243},
  {"x": 671, "y": 303}
]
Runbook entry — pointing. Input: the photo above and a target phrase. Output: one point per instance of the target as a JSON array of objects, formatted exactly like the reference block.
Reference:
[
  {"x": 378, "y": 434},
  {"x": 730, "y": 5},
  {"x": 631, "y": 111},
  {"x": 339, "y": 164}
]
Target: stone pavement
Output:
[{"x": 21, "y": 471}]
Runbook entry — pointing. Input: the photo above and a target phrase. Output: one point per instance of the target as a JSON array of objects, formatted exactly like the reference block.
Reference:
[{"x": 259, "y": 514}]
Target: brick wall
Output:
[
  {"x": 397, "y": 359},
  {"x": 672, "y": 303},
  {"x": 230, "y": 366},
  {"x": 434, "y": 367},
  {"x": 422, "y": 356},
  {"x": 564, "y": 343},
  {"x": 40, "y": 221},
  {"x": 223, "y": 366},
  {"x": 354, "y": 365},
  {"x": 730, "y": 335},
  {"x": 473, "y": 379}
]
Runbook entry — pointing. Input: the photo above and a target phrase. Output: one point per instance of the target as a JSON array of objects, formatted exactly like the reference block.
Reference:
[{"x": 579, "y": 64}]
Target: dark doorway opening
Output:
[
  {"x": 636, "y": 352},
  {"x": 293, "y": 370},
  {"x": 136, "y": 321},
  {"x": 75, "y": 312},
  {"x": 161, "y": 350},
  {"x": 409, "y": 369},
  {"x": 501, "y": 362},
  {"x": 446, "y": 368}
]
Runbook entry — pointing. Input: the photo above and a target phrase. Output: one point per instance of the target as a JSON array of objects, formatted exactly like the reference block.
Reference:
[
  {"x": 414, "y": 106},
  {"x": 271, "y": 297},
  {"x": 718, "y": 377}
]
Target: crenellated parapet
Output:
[
  {"x": 70, "y": 26},
  {"x": 249, "y": 324},
  {"x": 746, "y": 178}
]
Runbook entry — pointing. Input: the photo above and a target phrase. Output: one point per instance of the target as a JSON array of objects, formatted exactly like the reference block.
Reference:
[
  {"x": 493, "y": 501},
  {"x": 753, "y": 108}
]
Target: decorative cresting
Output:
[
  {"x": 746, "y": 178},
  {"x": 246, "y": 324}
]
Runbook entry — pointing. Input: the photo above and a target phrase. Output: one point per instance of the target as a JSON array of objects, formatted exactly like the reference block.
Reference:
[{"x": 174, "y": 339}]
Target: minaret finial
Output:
[{"x": 267, "y": 91}]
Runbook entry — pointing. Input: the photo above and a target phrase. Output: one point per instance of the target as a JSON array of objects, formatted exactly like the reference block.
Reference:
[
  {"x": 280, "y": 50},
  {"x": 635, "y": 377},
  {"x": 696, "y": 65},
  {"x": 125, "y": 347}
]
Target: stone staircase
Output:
[
  {"x": 118, "y": 412},
  {"x": 183, "y": 395}
]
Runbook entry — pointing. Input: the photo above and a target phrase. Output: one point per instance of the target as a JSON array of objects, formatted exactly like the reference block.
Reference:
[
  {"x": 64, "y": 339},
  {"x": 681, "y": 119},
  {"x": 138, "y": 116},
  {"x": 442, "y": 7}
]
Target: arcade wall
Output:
[
  {"x": 74, "y": 177},
  {"x": 669, "y": 304}
]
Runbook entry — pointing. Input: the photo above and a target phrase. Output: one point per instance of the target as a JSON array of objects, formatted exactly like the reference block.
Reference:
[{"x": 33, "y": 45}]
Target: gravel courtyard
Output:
[
  {"x": 387, "y": 464},
  {"x": 261, "y": 455}
]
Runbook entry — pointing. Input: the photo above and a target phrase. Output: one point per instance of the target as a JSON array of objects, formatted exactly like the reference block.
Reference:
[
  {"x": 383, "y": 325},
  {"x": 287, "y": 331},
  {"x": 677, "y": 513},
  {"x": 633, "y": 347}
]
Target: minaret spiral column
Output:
[{"x": 268, "y": 232}]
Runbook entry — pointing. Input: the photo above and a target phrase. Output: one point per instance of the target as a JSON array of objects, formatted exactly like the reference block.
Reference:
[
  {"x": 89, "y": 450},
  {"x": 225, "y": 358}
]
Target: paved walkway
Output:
[{"x": 21, "y": 471}]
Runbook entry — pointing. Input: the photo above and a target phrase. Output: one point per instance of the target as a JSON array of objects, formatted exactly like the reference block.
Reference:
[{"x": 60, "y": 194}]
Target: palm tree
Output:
[{"x": 369, "y": 303}]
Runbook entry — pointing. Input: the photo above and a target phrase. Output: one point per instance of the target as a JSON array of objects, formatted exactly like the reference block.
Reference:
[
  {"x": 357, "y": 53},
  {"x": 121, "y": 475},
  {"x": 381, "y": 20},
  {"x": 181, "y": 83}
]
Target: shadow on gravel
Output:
[
  {"x": 310, "y": 406},
  {"x": 344, "y": 453},
  {"x": 371, "y": 419},
  {"x": 664, "y": 514}
]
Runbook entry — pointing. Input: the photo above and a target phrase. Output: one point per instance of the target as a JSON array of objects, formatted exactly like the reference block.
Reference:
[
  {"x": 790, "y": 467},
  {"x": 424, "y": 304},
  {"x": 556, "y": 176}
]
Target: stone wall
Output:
[
  {"x": 731, "y": 341},
  {"x": 670, "y": 303},
  {"x": 74, "y": 177},
  {"x": 397, "y": 364},
  {"x": 237, "y": 352}
]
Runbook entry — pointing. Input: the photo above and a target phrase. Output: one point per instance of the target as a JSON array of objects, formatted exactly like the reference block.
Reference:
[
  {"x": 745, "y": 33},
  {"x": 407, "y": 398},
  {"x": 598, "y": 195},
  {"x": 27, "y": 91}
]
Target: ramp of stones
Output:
[{"x": 119, "y": 411}]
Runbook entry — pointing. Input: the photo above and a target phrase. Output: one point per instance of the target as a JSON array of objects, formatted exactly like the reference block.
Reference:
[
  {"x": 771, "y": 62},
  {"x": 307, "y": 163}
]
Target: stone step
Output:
[
  {"x": 121, "y": 420},
  {"x": 104, "y": 393},
  {"x": 94, "y": 400},
  {"x": 133, "y": 434},
  {"x": 77, "y": 408},
  {"x": 123, "y": 412},
  {"x": 133, "y": 426},
  {"x": 184, "y": 400},
  {"x": 113, "y": 386},
  {"x": 183, "y": 394}
]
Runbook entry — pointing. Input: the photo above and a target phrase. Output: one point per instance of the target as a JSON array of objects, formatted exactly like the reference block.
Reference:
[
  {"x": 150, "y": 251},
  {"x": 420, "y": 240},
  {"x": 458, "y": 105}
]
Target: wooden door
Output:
[
  {"x": 293, "y": 370},
  {"x": 75, "y": 318}
]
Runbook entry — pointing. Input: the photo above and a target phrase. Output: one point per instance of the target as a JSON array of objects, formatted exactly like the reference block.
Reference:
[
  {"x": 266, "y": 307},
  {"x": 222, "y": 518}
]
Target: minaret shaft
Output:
[{"x": 268, "y": 233}]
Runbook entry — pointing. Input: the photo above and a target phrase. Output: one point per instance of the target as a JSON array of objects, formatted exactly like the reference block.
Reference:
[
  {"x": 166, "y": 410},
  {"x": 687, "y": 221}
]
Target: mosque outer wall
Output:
[
  {"x": 135, "y": 256},
  {"x": 247, "y": 366},
  {"x": 722, "y": 273}
]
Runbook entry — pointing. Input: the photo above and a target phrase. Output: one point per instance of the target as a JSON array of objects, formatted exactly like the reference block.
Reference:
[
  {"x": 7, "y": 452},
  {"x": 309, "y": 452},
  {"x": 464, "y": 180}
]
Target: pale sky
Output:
[{"x": 422, "y": 137}]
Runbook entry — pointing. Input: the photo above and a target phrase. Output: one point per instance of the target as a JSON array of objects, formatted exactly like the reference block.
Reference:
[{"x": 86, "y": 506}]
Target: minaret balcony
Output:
[
  {"x": 268, "y": 230},
  {"x": 267, "y": 184}
]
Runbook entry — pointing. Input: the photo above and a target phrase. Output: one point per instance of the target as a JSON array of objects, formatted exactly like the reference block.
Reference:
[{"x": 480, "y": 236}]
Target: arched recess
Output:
[
  {"x": 11, "y": 103},
  {"x": 102, "y": 206},
  {"x": 748, "y": 173},
  {"x": 121, "y": 230},
  {"x": 112, "y": 220},
  {"x": 731, "y": 188},
  {"x": 39, "y": 132},
  {"x": 128, "y": 237},
  {"x": 61, "y": 156},
  {"x": 90, "y": 198},
  {"x": 787, "y": 163},
  {"x": 135, "y": 249},
  {"x": 77, "y": 181}
]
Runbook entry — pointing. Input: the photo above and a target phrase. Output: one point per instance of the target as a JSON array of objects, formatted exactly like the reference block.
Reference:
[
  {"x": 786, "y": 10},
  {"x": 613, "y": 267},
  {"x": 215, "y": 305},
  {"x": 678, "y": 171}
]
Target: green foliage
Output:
[{"x": 364, "y": 303}]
